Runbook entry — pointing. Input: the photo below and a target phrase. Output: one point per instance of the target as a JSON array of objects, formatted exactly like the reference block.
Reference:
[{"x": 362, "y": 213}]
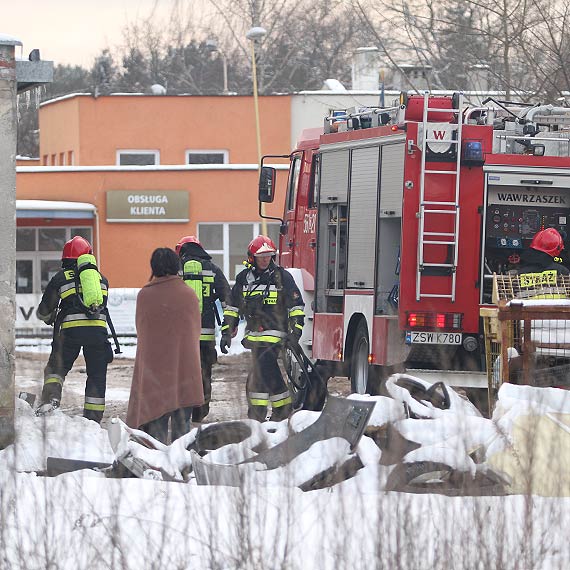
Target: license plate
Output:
[{"x": 422, "y": 337}]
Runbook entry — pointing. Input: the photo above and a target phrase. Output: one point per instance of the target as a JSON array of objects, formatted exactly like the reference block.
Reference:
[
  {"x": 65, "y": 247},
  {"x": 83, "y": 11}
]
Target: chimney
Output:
[
  {"x": 412, "y": 76},
  {"x": 365, "y": 69},
  {"x": 478, "y": 77}
]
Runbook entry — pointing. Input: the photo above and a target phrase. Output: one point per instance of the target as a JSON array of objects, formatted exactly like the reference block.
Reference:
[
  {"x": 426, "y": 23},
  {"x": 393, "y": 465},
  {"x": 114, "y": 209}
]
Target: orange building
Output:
[{"x": 136, "y": 172}]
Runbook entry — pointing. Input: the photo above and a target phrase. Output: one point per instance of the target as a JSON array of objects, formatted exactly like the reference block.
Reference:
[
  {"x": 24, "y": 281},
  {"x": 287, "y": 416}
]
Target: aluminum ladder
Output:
[{"x": 433, "y": 210}]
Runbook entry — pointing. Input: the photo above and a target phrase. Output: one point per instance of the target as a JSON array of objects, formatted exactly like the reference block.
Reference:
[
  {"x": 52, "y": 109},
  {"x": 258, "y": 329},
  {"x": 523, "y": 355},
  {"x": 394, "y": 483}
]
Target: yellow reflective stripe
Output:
[
  {"x": 549, "y": 296},
  {"x": 53, "y": 380},
  {"x": 208, "y": 279},
  {"x": 281, "y": 403},
  {"x": 296, "y": 313},
  {"x": 93, "y": 323},
  {"x": 228, "y": 313},
  {"x": 298, "y": 326},
  {"x": 256, "y": 292},
  {"x": 66, "y": 294},
  {"x": 94, "y": 407},
  {"x": 255, "y": 402},
  {"x": 265, "y": 338},
  {"x": 225, "y": 327},
  {"x": 207, "y": 337}
]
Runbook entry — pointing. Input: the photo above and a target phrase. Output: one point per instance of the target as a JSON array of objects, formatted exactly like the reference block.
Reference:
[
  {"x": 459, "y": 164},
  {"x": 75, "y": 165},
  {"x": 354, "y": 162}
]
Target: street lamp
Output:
[
  {"x": 212, "y": 46},
  {"x": 254, "y": 35}
]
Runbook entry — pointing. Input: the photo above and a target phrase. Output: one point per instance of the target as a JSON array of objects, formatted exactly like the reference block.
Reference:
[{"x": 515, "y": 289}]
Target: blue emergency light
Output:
[{"x": 472, "y": 153}]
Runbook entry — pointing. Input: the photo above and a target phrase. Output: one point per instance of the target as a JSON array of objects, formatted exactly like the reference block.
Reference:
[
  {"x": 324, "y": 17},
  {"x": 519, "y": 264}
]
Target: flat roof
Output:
[{"x": 54, "y": 209}]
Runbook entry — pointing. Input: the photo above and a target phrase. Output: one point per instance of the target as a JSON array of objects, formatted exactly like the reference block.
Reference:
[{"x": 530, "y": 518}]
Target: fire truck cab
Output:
[{"x": 396, "y": 219}]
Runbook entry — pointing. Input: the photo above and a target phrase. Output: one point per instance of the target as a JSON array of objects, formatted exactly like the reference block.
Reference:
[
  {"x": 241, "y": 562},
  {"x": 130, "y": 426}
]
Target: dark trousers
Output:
[
  {"x": 65, "y": 349},
  {"x": 179, "y": 425},
  {"x": 208, "y": 358},
  {"x": 265, "y": 383}
]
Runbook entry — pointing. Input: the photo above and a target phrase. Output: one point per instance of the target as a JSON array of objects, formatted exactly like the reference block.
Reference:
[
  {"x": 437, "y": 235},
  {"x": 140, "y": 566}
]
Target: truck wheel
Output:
[{"x": 359, "y": 367}]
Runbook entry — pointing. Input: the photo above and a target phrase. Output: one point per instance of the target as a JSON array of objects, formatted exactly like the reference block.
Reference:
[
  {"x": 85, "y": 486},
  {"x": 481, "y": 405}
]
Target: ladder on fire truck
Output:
[{"x": 432, "y": 211}]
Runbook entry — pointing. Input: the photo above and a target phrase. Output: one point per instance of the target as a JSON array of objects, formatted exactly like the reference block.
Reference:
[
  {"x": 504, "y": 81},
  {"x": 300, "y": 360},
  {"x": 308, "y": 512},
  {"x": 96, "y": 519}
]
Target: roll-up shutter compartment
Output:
[
  {"x": 392, "y": 181},
  {"x": 362, "y": 217},
  {"x": 334, "y": 177}
]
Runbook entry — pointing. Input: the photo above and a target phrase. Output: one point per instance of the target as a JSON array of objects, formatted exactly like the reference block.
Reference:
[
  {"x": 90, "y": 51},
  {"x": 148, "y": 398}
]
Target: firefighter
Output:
[
  {"x": 210, "y": 284},
  {"x": 76, "y": 326},
  {"x": 267, "y": 296},
  {"x": 541, "y": 263}
]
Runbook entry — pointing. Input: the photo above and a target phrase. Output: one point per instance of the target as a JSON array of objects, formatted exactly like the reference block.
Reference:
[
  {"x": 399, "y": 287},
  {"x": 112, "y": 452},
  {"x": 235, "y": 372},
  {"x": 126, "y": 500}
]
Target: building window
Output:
[
  {"x": 45, "y": 160},
  {"x": 227, "y": 243},
  {"x": 38, "y": 254},
  {"x": 138, "y": 157},
  {"x": 62, "y": 159},
  {"x": 70, "y": 157},
  {"x": 207, "y": 157}
]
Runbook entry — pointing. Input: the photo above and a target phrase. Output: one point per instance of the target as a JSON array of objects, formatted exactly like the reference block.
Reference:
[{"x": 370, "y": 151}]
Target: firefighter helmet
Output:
[
  {"x": 186, "y": 239},
  {"x": 75, "y": 247},
  {"x": 261, "y": 246},
  {"x": 549, "y": 241}
]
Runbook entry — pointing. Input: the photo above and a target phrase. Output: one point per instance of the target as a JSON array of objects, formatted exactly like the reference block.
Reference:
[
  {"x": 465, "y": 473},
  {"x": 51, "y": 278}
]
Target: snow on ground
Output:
[{"x": 84, "y": 520}]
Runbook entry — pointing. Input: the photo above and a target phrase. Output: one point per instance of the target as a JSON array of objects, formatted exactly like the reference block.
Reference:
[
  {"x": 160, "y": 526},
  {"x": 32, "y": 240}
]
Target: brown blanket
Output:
[{"x": 167, "y": 373}]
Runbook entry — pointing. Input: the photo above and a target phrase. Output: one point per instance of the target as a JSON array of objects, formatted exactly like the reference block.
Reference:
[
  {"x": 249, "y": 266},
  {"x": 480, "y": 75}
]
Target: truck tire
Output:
[{"x": 359, "y": 366}]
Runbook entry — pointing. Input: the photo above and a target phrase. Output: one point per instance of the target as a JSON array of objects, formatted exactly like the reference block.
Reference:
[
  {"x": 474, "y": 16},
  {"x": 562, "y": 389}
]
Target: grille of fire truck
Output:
[
  {"x": 431, "y": 211},
  {"x": 529, "y": 330}
]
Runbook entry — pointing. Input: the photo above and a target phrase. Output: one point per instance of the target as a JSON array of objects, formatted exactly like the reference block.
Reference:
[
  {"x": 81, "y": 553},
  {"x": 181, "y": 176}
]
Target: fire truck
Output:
[{"x": 395, "y": 220}]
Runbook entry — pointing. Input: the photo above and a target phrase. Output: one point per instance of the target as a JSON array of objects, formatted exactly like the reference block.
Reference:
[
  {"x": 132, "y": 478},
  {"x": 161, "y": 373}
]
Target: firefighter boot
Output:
[
  {"x": 281, "y": 413},
  {"x": 51, "y": 397}
]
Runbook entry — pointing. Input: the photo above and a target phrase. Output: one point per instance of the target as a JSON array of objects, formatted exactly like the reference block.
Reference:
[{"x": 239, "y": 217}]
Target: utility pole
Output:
[{"x": 15, "y": 76}]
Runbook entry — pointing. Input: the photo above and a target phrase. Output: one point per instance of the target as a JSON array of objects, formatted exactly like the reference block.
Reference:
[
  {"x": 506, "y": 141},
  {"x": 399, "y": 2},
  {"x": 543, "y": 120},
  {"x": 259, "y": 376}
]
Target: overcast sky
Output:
[{"x": 72, "y": 31}]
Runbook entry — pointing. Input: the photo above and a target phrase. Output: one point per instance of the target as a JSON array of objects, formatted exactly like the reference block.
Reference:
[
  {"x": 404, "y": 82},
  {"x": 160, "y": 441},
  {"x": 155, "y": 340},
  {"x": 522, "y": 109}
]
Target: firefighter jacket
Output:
[
  {"x": 209, "y": 283},
  {"x": 271, "y": 304},
  {"x": 538, "y": 275},
  {"x": 60, "y": 304}
]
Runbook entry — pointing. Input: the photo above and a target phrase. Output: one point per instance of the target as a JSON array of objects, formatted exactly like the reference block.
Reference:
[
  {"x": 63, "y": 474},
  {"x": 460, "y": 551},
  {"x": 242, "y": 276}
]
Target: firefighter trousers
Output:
[
  {"x": 179, "y": 425},
  {"x": 97, "y": 351},
  {"x": 266, "y": 386},
  {"x": 208, "y": 357}
]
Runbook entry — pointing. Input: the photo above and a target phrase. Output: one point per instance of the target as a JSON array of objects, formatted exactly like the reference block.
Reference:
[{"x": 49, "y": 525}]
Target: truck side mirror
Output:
[{"x": 267, "y": 184}]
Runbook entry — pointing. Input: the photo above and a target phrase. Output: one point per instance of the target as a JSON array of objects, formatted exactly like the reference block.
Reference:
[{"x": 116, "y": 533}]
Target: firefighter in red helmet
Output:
[
  {"x": 267, "y": 296},
  {"x": 210, "y": 285},
  {"x": 75, "y": 305},
  {"x": 541, "y": 263}
]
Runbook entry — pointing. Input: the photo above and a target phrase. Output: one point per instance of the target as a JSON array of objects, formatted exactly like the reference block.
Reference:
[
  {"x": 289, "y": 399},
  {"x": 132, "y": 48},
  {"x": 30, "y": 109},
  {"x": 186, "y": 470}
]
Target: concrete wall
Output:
[
  {"x": 8, "y": 87},
  {"x": 309, "y": 108}
]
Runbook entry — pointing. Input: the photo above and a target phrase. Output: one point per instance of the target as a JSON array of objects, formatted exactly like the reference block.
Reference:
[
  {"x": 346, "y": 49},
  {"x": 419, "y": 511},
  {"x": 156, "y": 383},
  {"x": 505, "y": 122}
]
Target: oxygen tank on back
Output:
[
  {"x": 90, "y": 281},
  {"x": 192, "y": 275}
]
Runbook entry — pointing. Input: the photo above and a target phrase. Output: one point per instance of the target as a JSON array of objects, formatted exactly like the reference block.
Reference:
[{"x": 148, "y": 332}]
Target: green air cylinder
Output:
[
  {"x": 192, "y": 275},
  {"x": 90, "y": 280}
]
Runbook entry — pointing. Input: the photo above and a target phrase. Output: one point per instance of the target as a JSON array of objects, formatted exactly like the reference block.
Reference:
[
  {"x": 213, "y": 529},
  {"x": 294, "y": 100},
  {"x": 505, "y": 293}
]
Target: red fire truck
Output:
[{"x": 396, "y": 219}]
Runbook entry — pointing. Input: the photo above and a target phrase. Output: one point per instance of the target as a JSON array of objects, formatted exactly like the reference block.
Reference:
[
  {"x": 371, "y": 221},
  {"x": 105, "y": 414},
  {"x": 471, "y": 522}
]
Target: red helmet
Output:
[
  {"x": 186, "y": 239},
  {"x": 549, "y": 241},
  {"x": 75, "y": 247},
  {"x": 261, "y": 246}
]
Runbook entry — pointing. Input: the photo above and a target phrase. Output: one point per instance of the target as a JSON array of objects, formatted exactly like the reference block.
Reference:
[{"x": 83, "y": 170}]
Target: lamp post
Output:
[
  {"x": 212, "y": 46},
  {"x": 254, "y": 35}
]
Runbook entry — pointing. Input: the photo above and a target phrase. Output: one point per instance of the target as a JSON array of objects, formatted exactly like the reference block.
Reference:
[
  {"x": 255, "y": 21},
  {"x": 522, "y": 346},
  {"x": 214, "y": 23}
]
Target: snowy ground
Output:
[{"x": 84, "y": 520}]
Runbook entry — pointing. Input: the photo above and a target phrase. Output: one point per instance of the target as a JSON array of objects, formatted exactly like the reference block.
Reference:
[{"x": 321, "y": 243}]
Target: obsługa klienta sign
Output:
[{"x": 147, "y": 206}]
